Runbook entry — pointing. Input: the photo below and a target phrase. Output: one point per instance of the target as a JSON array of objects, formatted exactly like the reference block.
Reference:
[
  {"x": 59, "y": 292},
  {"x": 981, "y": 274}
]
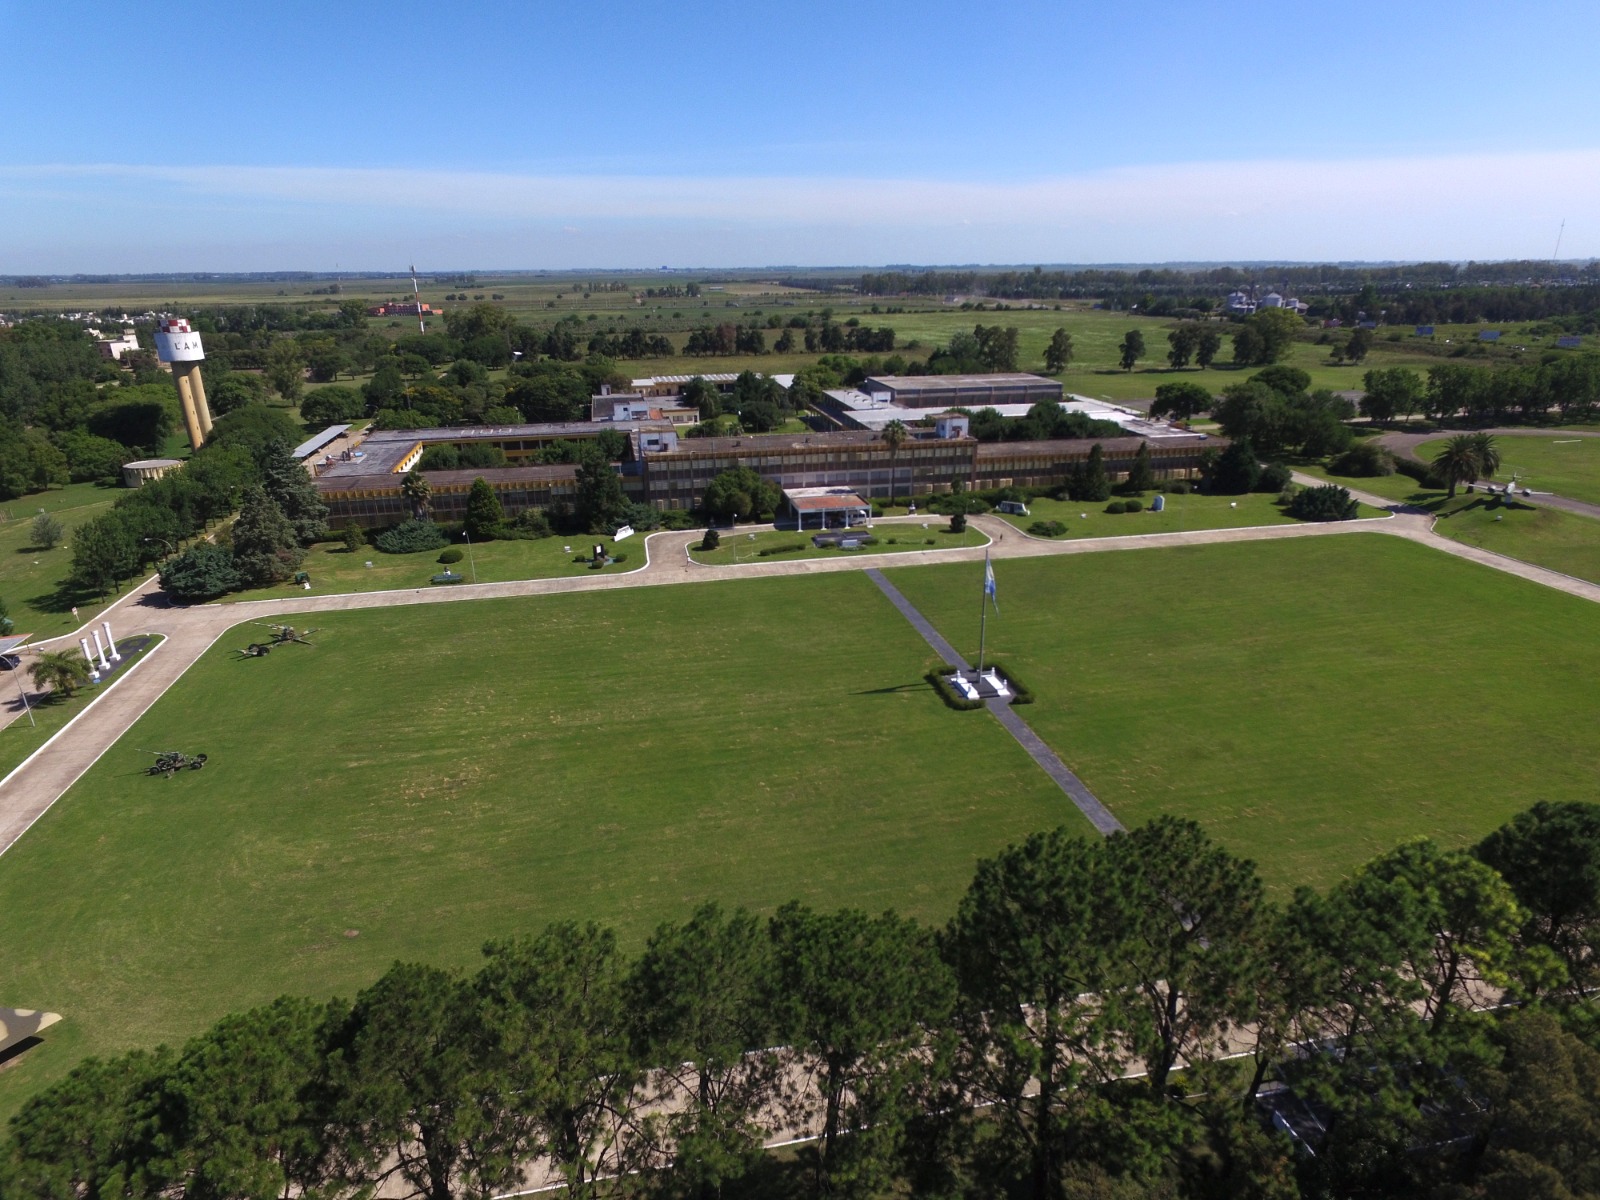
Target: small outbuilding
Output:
[
  {"x": 827, "y": 507},
  {"x": 141, "y": 472}
]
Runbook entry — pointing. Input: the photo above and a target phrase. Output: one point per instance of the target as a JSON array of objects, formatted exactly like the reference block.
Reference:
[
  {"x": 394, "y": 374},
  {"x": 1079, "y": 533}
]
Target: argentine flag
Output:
[{"x": 988, "y": 583}]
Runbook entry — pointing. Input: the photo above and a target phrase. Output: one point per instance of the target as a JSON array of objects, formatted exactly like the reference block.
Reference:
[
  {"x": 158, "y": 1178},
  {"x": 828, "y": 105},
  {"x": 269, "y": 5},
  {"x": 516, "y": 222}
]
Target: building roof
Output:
[
  {"x": 774, "y": 443},
  {"x": 1074, "y": 446},
  {"x": 449, "y": 481},
  {"x": 823, "y": 499},
  {"x": 951, "y": 383},
  {"x": 311, "y": 445},
  {"x": 151, "y": 463}
]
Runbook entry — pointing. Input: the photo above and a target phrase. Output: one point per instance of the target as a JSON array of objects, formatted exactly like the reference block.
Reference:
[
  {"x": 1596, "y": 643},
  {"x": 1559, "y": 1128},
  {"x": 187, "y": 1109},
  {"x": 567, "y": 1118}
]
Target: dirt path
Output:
[{"x": 32, "y": 788}]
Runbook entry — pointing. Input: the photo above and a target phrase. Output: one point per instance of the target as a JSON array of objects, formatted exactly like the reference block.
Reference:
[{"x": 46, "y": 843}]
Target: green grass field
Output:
[
  {"x": 1310, "y": 701},
  {"x": 31, "y": 578},
  {"x": 435, "y": 776},
  {"x": 1191, "y": 512},
  {"x": 22, "y": 737},
  {"x": 1567, "y": 466},
  {"x": 334, "y": 569},
  {"x": 893, "y": 537}
]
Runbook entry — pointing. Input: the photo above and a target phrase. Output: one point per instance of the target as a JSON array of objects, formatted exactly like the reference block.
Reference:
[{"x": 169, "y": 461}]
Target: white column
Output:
[
  {"x": 94, "y": 671},
  {"x": 101, "y": 651},
  {"x": 110, "y": 645}
]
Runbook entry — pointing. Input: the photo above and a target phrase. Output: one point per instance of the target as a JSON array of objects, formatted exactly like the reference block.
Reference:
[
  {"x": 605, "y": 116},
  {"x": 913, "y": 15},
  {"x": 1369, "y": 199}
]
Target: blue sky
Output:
[{"x": 299, "y": 135}]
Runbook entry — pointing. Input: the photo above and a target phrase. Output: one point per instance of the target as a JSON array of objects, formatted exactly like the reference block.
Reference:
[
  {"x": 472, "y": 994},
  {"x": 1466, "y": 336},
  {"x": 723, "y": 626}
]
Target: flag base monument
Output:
[{"x": 983, "y": 684}]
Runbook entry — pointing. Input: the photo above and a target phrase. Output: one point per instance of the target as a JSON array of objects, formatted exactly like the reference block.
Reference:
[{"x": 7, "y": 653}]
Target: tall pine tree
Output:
[
  {"x": 289, "y": 485},
  {"x": 265, "y": 549}
]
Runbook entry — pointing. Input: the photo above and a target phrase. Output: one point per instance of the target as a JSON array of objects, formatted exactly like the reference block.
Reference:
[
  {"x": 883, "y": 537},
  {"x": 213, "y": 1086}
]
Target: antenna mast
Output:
[
  {"x": 1556, "y": 257},
  {"x": 417, "y": 296}
]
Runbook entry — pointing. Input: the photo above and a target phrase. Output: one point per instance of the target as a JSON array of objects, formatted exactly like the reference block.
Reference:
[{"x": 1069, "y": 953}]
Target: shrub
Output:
[
  {"x": 780, "y": 548},
  {"x": 1420, "y": 471},
  {"x": 202, "y": 572},
  {"x": 1117, "y": 506},
  {"x": 1327, "y": 503},
  {"x": 1047, "y": 529},
  {"x": 410, "y": 537},
  {"x": 1367, "y": 460},
  {"x": 1274, "y": 477},
  {"x": 958, "y": 523},
  {"x": 1286, "y": 497},
  {"x": 353, "y": 537},
  {"x": 1133, "y": 506},
  {"x": 619, "y": 558},
  {"x": 951, "y": 697},
  {"x": 1177, "y": 487},
  {"x": 452, "y": 555}
]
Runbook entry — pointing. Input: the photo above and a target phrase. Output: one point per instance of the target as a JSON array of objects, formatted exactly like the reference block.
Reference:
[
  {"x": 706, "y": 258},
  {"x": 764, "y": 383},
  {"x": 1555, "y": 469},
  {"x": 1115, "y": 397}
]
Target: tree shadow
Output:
[{"x": 889, "y": 691}]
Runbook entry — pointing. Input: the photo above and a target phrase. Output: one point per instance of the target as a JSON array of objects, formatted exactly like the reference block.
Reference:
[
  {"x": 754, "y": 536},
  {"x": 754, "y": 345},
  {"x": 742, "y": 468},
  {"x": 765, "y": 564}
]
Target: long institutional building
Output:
[{"x": 665, "y": 470}]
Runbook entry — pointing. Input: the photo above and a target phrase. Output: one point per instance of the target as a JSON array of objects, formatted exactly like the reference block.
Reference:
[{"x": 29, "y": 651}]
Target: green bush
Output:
[
  {"x": 1133, "y": 506},
  {"x": 619, "y": 558},
  {"x": 711, "y": 541},
  {"x": 1177, "y": 487},
  {"x": 1047, "y": 529},
  {"x": 1117, "y": 506},
  {"x": 1274, "y": 477},
  {"x": 958, "y": 523},
  {"x": 1420, "y": 471},
  {"x": 1368, "y": 460},
  {"x": 1327, "y": 503},
  {"x": 951, "y": 697},
  {"x": 1286, "y": 497},
  {"x": 452, "y": 555},
  {"x": 780, "y": 548},
  {"x": 410, "y": 537}
]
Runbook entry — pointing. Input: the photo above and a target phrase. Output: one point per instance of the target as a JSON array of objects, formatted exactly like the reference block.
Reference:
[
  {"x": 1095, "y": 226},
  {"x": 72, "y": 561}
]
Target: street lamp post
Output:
[{"x": 471, "y": 562}]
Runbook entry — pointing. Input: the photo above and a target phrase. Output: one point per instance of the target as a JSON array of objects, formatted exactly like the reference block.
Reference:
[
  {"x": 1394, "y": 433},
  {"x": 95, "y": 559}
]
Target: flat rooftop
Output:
[
  {"x": 312, "y": 444},
  {"x": 775, "y": 443},
  {"x": 952, "y": 383},
  {"x": 823, "y": 499}
]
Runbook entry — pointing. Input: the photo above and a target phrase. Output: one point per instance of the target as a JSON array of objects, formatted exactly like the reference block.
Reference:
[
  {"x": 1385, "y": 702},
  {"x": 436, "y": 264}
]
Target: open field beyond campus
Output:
[
  {"x": 424, "y": 778},
  {"x": 1546, "y": 463},
  {"x": 435, "y": 776},
  {"x": 1311, "y": 701}
]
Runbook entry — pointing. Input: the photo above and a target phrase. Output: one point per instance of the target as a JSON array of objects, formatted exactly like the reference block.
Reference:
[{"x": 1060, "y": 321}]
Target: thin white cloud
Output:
[{"x": 1489, "y": 205}]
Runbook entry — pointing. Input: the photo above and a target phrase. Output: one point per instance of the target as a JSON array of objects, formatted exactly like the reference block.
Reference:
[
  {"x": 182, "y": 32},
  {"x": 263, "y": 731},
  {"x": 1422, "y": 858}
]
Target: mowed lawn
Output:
[
  {"x": 1311, "y": 702},
  {"x": 1554, "y": 462},
  {"x": 425, "y": 778},
  {"x": 31, "y": 577}
]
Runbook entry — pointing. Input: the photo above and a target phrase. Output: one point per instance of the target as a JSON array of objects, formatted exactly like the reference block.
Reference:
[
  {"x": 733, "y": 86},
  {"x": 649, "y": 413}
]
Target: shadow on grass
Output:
[{"x": 889, "y": 691}]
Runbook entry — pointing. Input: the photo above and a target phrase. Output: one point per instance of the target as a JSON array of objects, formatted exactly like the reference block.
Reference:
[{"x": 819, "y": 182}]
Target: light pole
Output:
[
  {"x": 171, "y": 549},
  {"x": 21, "y": 691},
  {"x": 471, "y": 562},
  {"x": 733, "y": 529}
]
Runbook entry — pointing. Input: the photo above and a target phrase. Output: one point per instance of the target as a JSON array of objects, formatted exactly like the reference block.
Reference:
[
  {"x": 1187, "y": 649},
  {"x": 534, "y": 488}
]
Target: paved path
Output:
[
  {"x": 1405, "y": 445},
  {"x": 30, "y": 790},
  {"x": 1088, "y": 803}
]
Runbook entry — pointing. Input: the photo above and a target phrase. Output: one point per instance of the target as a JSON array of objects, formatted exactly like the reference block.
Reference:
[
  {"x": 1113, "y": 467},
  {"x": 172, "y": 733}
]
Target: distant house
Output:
[
  {"x": 115, "y": 348},
  {"x": 1240, "y": 302},
  {"x": 407, "y": 308}
]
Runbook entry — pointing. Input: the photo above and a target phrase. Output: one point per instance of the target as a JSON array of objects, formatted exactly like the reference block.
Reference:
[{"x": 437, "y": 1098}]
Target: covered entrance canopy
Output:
[{"x": 828, "y": 507}]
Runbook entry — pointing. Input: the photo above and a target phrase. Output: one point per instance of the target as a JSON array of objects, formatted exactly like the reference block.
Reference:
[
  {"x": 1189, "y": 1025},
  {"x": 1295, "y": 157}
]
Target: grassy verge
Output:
[
  {"x": 333, "y": 569},
  {"x": 784, "y": 546},
  {"x": 32, "y": 578},
  {"x": 1181, "y": 514}
]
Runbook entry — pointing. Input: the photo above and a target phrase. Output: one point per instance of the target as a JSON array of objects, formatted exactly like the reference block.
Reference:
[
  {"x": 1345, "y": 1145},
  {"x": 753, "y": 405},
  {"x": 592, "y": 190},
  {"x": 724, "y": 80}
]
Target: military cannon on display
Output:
[
  {"x": 169, "y": 762},
  {"x": 281, "y": 635}
]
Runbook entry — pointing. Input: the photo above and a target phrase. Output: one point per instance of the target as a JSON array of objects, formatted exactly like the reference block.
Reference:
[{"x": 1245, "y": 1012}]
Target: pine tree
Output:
[
  {"x": 288, "y": 484},
  {"x": 265, "y": 549},
  {"x": 484, "y": 514},
  {"x": 1089, "y": 480},
  {"x": 1141, "y": 476}
]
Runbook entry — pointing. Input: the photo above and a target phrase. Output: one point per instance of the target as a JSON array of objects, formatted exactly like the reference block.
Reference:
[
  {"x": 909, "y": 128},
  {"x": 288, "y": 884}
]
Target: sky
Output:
[{"x": 531, "y": 135}]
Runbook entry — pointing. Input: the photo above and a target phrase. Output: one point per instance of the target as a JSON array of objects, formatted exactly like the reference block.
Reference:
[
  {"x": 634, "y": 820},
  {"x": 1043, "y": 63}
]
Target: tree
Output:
[
  {"x": 1390, "y": 393},
  {"x": 1032, "y": 944},
  {"x": 485, "y": 519},
  {"x": 285, "y": 368},
  {"x": 857, "y": 995},
  {"x": 265, "y": 549},
  {"x": 103, "y": 553},
  {"x": 958, "y": 521},
  {"x": 233, "y": 391},
  {"x": 1487, "y": 448},
  {"x": 1550, "y": 855},
  {"x": 419, "y": 492},
  {"x": 1183, "y": 341},
  {"x": 202, "y": 572},
  {"x": 1058, "y": 354},
  {"x": 289, "y": 485},
  {"x": 1276, "y": 329},
  {"x": 553, "y": 1011},
  {"x": 1258, "y": 413},
  {"x": 894, "y": 436},
  {"x": 599, "y": 501},
  {"x": 997, "y": 347},
  {"x": 1141, "y": 475},
  {"x": 420, "y": 1110},
  {"x": 1088, "y": 480},
  {"x": 1248, "y": 346},
  {"x": 1458, "y": 461},
  {"x": 46, "y": 531},
  {"x": 353, "y": 537},
  {"x": 331, "y": 406},
  {"x": 1355, "y": 350},
  {"x": 62, "y": 671},
  {"x": 1132, "y": 348},
  {"x": 1180, "y": 401},
  {"x": 701, "y": 996},
  {"x": 1206, "y": 347},
  {"x": 740, "y": 491},
  {"x": 701, "y": 394},
  {"x": 1236, "y": 469},
  {"x": 238, "y": 1113},
  {"x": 91, "y": 459},
  {"x": 1330, "y": 502}
]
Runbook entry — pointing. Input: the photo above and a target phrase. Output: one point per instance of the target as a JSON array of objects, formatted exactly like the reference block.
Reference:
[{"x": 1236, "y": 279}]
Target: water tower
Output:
[{"x": 179, "y": 345}]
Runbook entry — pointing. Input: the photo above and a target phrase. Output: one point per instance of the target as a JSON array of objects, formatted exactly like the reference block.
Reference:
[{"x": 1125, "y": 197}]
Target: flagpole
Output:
[{"x": 983, "y": 610}]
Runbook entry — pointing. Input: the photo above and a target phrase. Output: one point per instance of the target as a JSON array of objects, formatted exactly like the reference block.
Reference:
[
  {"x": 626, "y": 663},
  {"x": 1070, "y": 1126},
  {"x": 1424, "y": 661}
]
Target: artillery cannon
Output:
[
  {"x": 169, "y": 762},
  {"x": 281, "y": 635}
]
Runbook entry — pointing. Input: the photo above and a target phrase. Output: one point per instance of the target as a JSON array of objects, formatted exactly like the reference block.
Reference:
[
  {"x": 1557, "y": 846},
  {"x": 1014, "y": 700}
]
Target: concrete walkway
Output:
[
  {"x": 30, "y": 790},
  {"x": 1088, "y": 803},
  {"x": 1405, "y": 445}
]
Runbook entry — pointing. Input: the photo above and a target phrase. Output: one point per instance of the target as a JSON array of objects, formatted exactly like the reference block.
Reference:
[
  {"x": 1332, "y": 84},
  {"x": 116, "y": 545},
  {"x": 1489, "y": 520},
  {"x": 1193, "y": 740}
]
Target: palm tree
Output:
[
  {"x": 1487, "y": 449},
  {"x": 1460, "y": 461},
  {"x": 415, "y": 488},
  {"x": 894, "y": 436},
  {"x": 62, "y": 671}
]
